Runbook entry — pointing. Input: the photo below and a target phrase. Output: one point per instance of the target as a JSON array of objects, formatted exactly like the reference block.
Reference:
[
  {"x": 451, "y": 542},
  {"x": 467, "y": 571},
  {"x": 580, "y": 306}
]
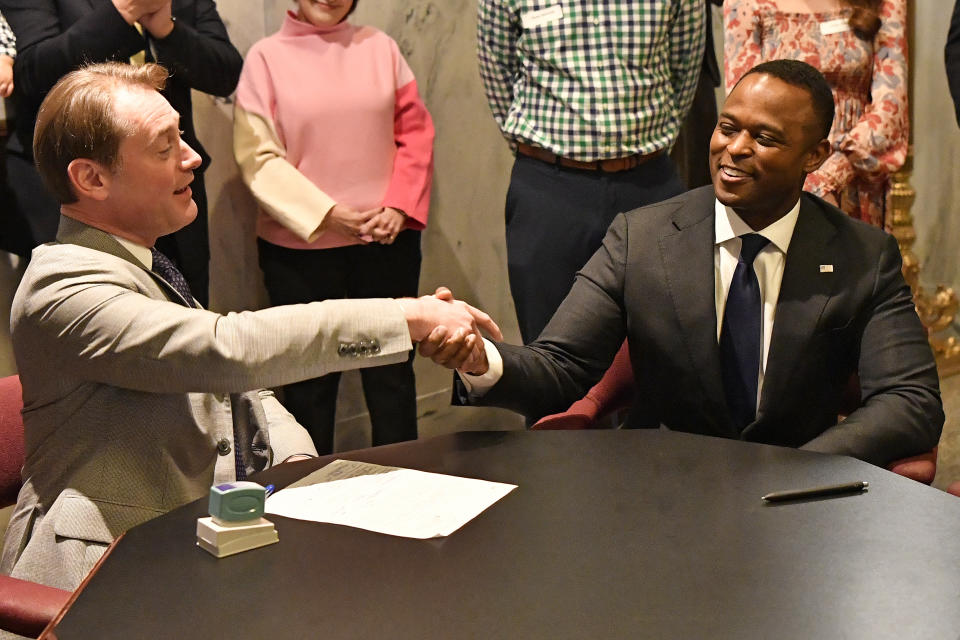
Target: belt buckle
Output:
[{"x": 615, "y": 165}]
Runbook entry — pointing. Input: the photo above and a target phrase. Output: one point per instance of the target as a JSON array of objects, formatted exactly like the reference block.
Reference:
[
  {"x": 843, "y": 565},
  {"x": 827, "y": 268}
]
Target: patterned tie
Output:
[
  {"x": 238, "y": 460},
  {"x": 741, "y": 335},
  {"x": 163, "y": 267}
]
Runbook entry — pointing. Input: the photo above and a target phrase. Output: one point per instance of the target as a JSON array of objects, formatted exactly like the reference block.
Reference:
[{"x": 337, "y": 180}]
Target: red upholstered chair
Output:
[
  {"x": 615, "y": 389},
  {"x": 11, "y": 439},
  {"x": 612, "y": 393},
  {"x": 25, "y": 607},
  {"x": 921, "y": 468}
]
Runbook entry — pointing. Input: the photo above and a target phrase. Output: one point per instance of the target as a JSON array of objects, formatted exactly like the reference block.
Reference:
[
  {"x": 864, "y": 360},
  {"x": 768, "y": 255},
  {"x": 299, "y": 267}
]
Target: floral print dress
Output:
[{"x": 869, "y": 82}]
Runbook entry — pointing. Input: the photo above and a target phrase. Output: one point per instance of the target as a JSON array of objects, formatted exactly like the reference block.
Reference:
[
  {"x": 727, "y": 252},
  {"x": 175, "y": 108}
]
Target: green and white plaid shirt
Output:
[{"x": 591, "y": 79}]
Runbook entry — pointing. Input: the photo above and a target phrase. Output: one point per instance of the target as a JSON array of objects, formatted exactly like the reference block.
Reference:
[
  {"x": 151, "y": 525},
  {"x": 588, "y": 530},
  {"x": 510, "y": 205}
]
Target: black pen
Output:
[{"x": 816, "y": 492}]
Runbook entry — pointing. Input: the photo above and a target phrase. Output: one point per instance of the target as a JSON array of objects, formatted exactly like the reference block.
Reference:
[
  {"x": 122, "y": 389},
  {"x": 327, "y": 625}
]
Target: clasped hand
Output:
[
  {"x": 448, "y": 330},
  {"x": 153, "y": 15},
  {"x": 6, "y": 76},
  {"x": 374, "y": 225}
]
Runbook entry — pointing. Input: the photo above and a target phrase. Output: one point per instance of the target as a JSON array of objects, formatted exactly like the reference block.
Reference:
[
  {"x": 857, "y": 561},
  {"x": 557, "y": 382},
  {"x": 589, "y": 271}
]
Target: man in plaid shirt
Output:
[{"x": 591, "y": 94}]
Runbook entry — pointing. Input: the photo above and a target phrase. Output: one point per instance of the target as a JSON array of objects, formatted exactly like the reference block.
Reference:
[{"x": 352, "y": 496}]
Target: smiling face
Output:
[
  {"x": 767, "y": 139},
  {"x": 323, "y": 13},
  {"x": 149, "y": 191}
]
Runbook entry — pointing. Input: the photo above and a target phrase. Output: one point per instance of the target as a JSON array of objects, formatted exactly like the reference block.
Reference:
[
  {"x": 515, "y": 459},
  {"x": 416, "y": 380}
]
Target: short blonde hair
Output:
[{"x": 77, "y": 120}]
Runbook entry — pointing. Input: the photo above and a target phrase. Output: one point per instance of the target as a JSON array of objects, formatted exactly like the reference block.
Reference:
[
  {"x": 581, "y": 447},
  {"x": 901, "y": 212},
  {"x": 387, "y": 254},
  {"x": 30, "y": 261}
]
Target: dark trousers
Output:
[
  {"x": 295, "y": 276},
  {"x": 557, "y": 218},
  {"x": 30, "y": 214}
]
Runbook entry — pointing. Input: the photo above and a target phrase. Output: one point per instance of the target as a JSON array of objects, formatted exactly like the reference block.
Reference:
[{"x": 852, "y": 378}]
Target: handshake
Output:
[{"x": 448, "y": 330}]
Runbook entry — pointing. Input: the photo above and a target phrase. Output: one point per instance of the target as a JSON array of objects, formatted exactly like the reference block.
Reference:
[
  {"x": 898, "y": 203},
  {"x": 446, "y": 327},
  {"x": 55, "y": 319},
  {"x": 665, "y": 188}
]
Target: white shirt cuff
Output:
[{"x": 477, "y": 386}]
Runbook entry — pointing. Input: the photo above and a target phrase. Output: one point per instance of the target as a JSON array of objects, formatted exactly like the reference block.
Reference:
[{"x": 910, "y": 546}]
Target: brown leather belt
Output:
[{"x": 611, "y": 165}]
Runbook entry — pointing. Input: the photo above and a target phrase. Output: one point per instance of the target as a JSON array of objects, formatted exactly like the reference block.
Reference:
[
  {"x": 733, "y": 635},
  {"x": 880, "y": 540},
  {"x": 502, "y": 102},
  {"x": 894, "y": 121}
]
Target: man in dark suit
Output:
[
  {"x": 711, "y": 353},
  {"x": 55, "y": 37}
]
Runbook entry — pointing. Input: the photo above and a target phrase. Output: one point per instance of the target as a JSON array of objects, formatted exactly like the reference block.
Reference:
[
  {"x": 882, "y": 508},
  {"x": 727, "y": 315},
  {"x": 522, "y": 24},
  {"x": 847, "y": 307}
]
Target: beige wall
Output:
[{"x": 936, "y": 135}]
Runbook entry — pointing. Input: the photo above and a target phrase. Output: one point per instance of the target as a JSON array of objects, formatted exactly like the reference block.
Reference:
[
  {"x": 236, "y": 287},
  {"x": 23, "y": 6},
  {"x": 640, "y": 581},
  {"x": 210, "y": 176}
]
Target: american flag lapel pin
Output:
[{"x": 826, "y": 268}]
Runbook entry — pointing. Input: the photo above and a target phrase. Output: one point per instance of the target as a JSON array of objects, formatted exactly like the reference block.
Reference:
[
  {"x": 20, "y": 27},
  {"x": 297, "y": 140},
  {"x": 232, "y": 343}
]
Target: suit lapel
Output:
[
  {"x": 804, "y": 292},
  {"x": 75, "y": 232},
  {"x": 687, "y": 254}
]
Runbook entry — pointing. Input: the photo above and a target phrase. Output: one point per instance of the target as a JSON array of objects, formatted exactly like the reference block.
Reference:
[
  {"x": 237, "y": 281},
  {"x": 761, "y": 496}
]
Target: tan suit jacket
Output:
[{"x": 133, "y": 403}]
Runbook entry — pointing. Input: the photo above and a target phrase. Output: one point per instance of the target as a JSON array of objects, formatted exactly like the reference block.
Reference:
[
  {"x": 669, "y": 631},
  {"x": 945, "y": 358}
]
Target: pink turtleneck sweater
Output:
[{"x": 326, "y": 116}]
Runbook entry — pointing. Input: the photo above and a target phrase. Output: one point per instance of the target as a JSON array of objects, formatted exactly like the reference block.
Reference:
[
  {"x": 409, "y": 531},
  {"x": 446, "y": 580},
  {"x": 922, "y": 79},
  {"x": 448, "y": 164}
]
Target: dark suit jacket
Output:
[
  {"x": 952, "y": 57},
  {"x": 652, "y": 281},
  {"x": 55, "y": 37}
]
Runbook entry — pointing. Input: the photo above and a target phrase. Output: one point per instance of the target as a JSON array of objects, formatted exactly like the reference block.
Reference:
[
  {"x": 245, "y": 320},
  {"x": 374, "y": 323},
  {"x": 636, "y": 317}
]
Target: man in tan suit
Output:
[{"x": 135, "y": 398}]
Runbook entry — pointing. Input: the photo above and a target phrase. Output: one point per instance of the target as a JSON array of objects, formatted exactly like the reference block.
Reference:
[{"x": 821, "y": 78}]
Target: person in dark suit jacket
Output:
[
  {"x": 55, "y": 37},
  {"x": 834, "y": 302}
]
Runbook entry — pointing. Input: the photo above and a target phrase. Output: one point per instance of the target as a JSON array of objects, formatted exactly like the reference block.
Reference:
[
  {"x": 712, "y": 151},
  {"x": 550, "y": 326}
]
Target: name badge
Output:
[
  {"x": 826, "y": 268},
  {"x": 534, "y": 19},
  {"x": 831, "y": 27}
]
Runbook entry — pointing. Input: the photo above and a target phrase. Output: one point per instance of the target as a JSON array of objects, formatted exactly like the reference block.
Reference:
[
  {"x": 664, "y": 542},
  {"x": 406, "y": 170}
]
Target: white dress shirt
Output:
[
  {"x": 141, "y": 253},
  {"x": 768, "y": 265},
  {"x": 728, "y": 226}
]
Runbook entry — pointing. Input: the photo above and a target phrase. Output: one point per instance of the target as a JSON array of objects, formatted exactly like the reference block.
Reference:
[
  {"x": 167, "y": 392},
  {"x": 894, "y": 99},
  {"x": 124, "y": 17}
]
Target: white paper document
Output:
[{"x": 399, "y": 502}]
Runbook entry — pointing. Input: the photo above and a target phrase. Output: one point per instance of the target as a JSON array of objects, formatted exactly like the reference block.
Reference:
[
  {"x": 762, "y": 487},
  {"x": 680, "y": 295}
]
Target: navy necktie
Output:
[
  {"x": 741, "y": 335},
  {"x": 164, "y": 267},
  {"x": 238, "y": 460}
]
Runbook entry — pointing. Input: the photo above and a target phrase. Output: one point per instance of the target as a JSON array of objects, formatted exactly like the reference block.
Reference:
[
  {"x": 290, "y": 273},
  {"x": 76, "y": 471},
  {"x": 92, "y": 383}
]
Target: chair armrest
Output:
[
  {"x": 613, "y": 392},
  {"x": 921, "y": 468},
  {"x": 26, "y": 607},
  {"x": 582, "y": 414}
]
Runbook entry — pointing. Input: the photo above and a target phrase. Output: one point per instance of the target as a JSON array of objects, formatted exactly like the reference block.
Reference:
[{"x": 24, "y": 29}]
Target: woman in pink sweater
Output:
[{"x": 337, "y": 148}]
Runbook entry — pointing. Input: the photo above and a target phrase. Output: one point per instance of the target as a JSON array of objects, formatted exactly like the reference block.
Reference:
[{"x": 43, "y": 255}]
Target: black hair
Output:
[
  {"x": 352, "y": 7},
  {"x": 802, "y": 75}
]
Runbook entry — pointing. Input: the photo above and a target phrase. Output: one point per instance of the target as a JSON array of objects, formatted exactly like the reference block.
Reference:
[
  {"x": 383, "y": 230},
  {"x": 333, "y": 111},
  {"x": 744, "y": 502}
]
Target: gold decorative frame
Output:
[{"x": 938, "y": 309}]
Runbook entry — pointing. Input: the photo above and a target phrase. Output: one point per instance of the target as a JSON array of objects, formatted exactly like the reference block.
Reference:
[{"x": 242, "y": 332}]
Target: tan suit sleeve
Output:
[
  {"x": 111, "y": 322},
  {"x": 287, "y": 436}
]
